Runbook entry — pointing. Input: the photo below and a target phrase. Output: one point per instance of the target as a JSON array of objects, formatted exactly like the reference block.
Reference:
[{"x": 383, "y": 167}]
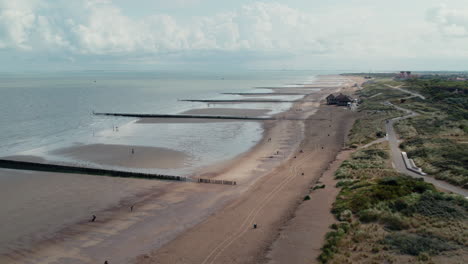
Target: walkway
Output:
[
  {"x": 397, "y": 159},
  {"x": 406, "y": 91}
]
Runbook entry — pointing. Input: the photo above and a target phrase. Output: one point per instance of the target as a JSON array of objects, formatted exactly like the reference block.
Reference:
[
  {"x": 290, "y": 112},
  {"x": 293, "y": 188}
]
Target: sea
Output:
[{"x": 43, "y": 112}]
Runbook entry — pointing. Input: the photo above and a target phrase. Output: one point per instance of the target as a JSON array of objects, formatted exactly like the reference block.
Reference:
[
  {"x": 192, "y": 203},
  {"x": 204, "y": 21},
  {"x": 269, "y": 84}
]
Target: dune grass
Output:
[{"x": 385, "y": 216}]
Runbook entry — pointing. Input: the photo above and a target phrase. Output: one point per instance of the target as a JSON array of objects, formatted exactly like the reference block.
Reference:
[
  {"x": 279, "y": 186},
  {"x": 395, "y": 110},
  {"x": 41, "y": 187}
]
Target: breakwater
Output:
[
  {"x": 185, "y": 116},
  {"x": 238, "y": 101},
  {"x": 34, "y": 166}
]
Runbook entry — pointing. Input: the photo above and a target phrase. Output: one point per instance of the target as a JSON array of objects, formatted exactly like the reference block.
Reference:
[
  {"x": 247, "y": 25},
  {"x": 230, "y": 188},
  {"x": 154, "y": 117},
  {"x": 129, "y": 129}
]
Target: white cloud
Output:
[
  {"x": 17, "y": 19},
  {"x": 105, "y": 29},
  {"x": 100, "y": 28},
  {"x": 451, "y": 22}
]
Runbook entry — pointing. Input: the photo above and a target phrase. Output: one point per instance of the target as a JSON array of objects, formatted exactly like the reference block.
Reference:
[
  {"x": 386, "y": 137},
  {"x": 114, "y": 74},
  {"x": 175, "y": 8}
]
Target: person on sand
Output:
[
  {"x": 255, "y": 226},
  {"x": 94, "y": 218},
  {"x": 131, "y": 208},
  {"x": 133, "y": 151}
]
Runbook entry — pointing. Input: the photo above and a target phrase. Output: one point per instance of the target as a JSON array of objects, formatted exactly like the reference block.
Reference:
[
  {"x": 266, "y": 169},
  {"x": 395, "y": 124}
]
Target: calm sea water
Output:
[{"x": 43, "y": 112}]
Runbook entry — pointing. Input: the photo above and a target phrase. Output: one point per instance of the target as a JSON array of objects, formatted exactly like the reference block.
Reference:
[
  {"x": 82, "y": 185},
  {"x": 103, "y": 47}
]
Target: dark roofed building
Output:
[
  {"x": 341, "y": 99},
  {"x": 331, "y": 99}
]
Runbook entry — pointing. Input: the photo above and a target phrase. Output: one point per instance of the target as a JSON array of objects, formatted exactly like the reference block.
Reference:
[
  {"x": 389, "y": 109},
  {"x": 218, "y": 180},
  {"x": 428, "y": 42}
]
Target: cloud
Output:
[
  {"x": 17, "y": 19},
  {"x": 99, "y": 30},
  {"x": 450, "y": 22},
  {"x": 100, "y": 27}
]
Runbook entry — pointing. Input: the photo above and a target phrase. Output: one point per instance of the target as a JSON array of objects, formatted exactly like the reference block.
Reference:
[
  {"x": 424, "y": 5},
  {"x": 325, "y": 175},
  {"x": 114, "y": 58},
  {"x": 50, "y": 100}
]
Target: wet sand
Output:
[
  {"x": 50, "y": 203},
  {"x": 122, "y": 155},
  {"x": 228, "y": 112},
  {"x": 217, "y": 217}
]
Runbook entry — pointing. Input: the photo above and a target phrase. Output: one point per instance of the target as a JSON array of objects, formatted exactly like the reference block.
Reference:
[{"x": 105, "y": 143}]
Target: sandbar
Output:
[{"x": 122, "y": 155}]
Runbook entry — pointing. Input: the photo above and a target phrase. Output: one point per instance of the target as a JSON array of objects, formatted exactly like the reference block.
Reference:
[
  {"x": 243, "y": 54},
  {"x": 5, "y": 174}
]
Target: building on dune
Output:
[
  {"x": 331, "y": 99},
  {"x": 341, "y": 99}
]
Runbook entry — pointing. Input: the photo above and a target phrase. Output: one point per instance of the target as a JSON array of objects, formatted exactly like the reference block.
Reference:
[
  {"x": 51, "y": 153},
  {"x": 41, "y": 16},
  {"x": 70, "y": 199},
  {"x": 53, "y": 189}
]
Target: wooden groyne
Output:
[
  {"x": 34, "y": 166},
  {"x": 238, "y": 101},
  {"x": 267, "y": 94},
  {"x": 186, "y": 116},
  {"x": 278, "y": 118},
  {"x": 214, "y": 181}
]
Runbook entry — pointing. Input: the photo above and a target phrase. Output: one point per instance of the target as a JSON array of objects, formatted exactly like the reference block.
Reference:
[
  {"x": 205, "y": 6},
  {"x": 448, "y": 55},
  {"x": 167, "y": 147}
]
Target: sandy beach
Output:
[
  {"x": 269, "y": 203},
  {"x": 126, "y": 156},
  {"x": 197, "y": 223}
]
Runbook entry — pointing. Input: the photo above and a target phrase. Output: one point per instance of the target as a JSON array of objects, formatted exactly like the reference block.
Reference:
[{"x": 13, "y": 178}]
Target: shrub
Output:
[
  {"x": 306, "y": 198},
  {"x": 440, "y": 205},
  {"x": 394, "y": 222},
  {"x": 415, "y": 244},
  {"x": 369, "y": 215},
  {"x": 346, "y": 215},
  {"x": 332, "y": 240},
  {"x": 319, "y": 186}
]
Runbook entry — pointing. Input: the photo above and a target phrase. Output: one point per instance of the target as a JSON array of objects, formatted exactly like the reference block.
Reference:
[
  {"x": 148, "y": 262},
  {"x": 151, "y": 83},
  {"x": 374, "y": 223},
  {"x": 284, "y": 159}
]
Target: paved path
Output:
[
  {"x": 397, "y": 159},
  {"x": 406, "y": 91}
]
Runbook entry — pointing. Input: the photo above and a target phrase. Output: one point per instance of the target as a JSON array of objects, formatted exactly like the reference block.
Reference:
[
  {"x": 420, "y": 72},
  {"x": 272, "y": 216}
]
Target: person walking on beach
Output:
[
  {"x": 133, "y": 151},
  {"x": 131, "y": 208},
  {"x": 94, "y": 218}
]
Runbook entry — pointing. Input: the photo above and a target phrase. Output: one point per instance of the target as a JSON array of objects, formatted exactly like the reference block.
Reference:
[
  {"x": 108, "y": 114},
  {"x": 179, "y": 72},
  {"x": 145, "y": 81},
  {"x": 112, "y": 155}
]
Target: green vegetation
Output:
[
  {"x": 386, "y": 217},
  {"x": 318, "y": 186},
  {"x": 415, "y": 244},
  {"x": 437, "y": 139},
  {"x": 373, "y": 113}
]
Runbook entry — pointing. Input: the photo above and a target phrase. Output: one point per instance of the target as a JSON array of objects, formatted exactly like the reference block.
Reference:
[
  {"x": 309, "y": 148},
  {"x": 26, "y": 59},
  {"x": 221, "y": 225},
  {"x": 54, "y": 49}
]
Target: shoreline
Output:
[
  {"x": 256, "y": 157},
  {"x": 185, "y": 248}
]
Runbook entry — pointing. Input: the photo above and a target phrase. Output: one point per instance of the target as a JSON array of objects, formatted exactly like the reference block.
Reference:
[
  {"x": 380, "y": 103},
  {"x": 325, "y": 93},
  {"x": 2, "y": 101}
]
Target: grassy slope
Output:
[
  {"x": 438, "y": 139},
  {"x": 371, "y": 124},
  {"x": 388, "y": 217}
]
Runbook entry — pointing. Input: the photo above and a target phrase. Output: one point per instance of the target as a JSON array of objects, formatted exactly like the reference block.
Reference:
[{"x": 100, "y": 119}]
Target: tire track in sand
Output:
[{"x": 244, "y": 227}]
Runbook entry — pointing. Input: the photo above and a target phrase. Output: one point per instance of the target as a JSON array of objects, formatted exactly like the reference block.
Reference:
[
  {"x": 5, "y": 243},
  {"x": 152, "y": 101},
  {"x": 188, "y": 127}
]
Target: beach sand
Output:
[
  {"x": 203, "y": 223},
  {"x": 122, "y": 155},
  {"x": 227, "y": 112},
  {"x": 301, "y": 238},
  {"x": 228, "y": 236}
]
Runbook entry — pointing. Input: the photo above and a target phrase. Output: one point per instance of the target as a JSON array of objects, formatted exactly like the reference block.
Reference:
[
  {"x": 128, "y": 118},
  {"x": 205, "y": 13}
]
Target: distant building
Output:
[
  {"x": 331, "y": 99},
  {"x": 458, "y": 79},
  {"x": 403, "y": 75},
  {"x": 341, "y": 99}
]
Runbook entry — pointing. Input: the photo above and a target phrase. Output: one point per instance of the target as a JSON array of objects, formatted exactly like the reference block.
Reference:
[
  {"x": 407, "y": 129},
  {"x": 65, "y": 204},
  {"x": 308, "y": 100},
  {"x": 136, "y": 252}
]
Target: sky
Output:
[{"x": 346, "y": 35}]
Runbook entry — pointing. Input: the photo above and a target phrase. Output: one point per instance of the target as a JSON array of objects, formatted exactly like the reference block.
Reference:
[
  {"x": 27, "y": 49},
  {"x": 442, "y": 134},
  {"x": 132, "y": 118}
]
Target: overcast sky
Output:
[{"x": 233, "y": 34}]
